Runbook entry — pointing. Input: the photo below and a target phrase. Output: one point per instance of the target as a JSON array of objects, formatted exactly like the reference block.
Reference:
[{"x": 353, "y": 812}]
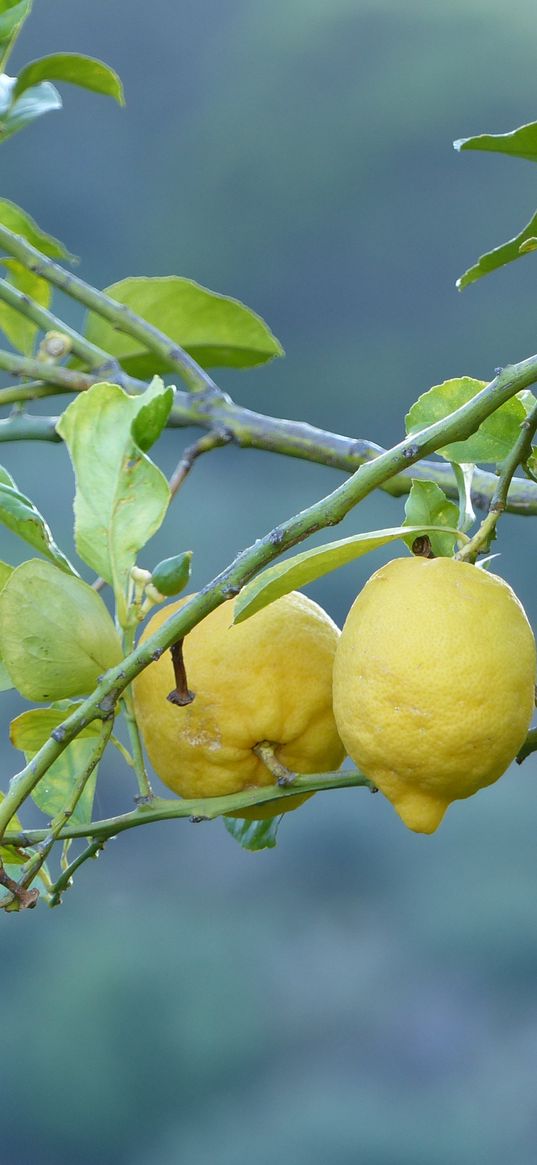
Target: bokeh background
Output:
[{"x": 360, "y": 993}]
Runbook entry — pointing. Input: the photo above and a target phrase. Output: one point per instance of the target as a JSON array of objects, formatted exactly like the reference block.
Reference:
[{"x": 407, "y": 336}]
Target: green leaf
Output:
[
  {"x": 20, "y": 515},
  {"x": 527, "y": 399},
  {"x": 21, "y": 223},
  {"x": 12, "y": 13},
  {"x": 11, "y": 856},
  {"x": 33, "y": 103},
  {"x": 5, "y": 571},
  {"x": 494, "y": 438},
  {"x": 253, "y": 835},
  {"x": 5, "y": 679},
  {"x": 77, "y": 69},
  {"x": 56, "y": 636},
  {"x": 301, "y": 569},
  {"x": 427, "y": 505},
  {"x": 519, "y": 143},
  {"x": 214, "y": 329},
  {"x": 20, "y": 331},
  {"x": 121, "y": 497},
  {"x": 506, "y": 253},
  {"x": 29, "y": 732}
]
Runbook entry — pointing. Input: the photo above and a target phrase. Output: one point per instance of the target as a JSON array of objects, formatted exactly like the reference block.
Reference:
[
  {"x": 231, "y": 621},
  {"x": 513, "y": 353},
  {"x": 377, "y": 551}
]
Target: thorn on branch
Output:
[
  {"x": 412, "y": 451},
  {"x": 231, "y": 591}
]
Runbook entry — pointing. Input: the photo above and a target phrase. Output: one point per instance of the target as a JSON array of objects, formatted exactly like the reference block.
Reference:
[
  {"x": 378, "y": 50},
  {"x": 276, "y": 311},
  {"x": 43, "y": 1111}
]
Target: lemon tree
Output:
[{"x": 241, "y": 699}]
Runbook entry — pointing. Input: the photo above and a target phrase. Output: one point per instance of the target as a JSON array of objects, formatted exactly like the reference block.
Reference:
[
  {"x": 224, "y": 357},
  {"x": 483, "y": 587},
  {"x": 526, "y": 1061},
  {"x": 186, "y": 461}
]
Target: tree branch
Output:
[
  {"x": 116, "y": 313},
  {"x": 46, "y": 321},
  {"x": 329, "y": 511},
  {"x": 166, "y": 809},
  {"x": 251, "y": 430}
]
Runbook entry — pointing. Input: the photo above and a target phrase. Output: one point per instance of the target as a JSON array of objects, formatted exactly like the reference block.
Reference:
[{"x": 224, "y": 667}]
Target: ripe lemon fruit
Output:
[
  {"x": 434, "y": 683},
  {"x": 267, "y": 679}
]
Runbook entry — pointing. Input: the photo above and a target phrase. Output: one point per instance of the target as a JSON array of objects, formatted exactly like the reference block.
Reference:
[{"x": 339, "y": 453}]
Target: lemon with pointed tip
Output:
[
  {"x": 434, "y": 683},
  {"x": 266, "y": 679}
]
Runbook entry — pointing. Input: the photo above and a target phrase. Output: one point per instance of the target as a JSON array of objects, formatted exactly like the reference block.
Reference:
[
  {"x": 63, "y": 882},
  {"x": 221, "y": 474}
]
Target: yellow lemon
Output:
[
  {"x": 267, "y": 679},
  {"x": 434, "y": 683}
]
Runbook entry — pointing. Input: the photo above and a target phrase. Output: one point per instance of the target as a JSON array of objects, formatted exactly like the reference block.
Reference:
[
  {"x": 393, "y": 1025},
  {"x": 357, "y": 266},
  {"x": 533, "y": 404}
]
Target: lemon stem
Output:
[
  {"x": 265, "y": 752},
  {"x": 180, "y": 695}
]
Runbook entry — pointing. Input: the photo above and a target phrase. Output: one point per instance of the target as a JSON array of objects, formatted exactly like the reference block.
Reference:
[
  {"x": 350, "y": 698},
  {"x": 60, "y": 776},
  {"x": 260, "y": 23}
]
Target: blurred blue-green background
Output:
[{"x": 360, "y": 993}]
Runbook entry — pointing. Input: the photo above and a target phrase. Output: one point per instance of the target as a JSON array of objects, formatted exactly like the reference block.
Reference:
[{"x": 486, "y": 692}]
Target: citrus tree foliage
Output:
[{"x": 140, "y": 365}]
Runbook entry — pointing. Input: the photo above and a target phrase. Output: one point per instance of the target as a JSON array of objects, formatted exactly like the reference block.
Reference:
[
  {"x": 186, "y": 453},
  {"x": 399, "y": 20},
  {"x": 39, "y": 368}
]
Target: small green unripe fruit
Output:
[{"x": 172, "y": 574}]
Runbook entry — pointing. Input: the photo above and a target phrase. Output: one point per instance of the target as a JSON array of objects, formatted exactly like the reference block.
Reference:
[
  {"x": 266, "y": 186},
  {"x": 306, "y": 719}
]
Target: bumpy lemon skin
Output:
[
  {"x": 434, "y": 683},
  {"x": 267, "y": 679}
]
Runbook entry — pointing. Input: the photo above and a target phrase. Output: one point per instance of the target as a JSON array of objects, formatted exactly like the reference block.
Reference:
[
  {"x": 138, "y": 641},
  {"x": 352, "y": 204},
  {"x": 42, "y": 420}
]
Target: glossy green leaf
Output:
[
  {"x": 253, "y": 835},
  {"x": 427, "y": 505},
  {"x": 29, "y": 732},
  {"x": 12, "y": 13},
  {"x": 121, "y": 497},
  {"x": 296, "y": 572},
  {"x": 33, "y": 103},
  {"x": 494, "y": 438},
  {"x": 20, "y": 331},
  {"x": 20, "y": 515},
  {"x": 519, "y": 143},
  {"x": 214, "y": 329},
  {"x": 514, "y": 249},
  {"x": 76, "y": 69},
  {"x": 56, "y": 635},
  {"x": 21, "y": 223}
]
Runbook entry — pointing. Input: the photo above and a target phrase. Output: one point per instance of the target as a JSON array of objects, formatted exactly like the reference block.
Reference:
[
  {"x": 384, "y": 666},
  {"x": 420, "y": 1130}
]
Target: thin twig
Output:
[
  {"x": 65, "y": 879},
  {"x": 520, "y": 452},
  {"x": 168, "y": 809},
  {"x": 46, "y": 321},
  {"x": 212, "y": 440},
  {"x": 32, "y": 867}
]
